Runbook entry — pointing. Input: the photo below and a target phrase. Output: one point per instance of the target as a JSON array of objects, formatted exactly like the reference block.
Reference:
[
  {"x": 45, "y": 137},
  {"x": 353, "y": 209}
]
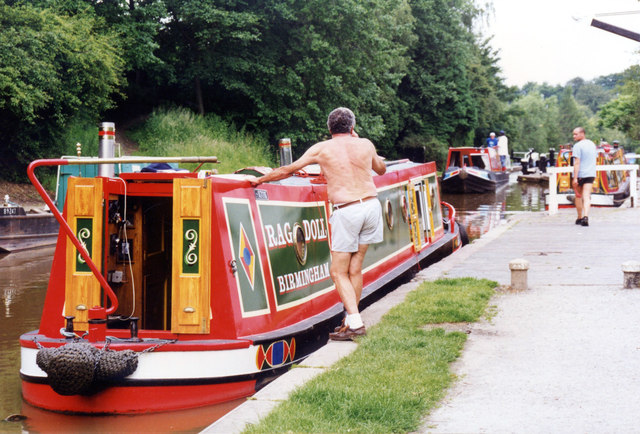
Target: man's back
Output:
[
  {"x": 586, "y": 151},
  {"x": 346, "y": 163}
]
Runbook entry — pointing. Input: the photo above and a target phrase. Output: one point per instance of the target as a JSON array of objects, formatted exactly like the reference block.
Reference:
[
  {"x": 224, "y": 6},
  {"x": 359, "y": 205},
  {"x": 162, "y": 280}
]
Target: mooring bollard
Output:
[
  {"x": 519, "y": 268},
  {"x": 631, "y": 273}
]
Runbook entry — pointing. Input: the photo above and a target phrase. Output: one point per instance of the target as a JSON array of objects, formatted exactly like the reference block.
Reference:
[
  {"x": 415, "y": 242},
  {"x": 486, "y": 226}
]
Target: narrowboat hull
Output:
[
  {"x": 473, "y": 170},
  {"x": 472, "y": 180},
  {"x": 256, "y": 298}
]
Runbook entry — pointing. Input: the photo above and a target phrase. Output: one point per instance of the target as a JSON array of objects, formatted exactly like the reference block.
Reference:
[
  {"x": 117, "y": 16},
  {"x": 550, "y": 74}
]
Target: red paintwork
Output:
[
  {"x": 494, "y": 159},
  {"x": 137, "y": 399},
  {"x": 228, "y": 328}
]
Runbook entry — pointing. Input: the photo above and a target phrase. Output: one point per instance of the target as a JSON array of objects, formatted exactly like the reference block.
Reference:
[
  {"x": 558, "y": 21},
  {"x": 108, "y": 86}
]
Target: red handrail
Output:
[
  {"x": 65, "y": 226},
  {"x": 452, "y": 216}
]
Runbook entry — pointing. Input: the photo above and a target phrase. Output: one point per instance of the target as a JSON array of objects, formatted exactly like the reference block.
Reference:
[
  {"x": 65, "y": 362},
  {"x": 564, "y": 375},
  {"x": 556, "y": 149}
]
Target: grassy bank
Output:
[
  {"x": 399, "y": 371},
  {"x": 180, "y": 132}
]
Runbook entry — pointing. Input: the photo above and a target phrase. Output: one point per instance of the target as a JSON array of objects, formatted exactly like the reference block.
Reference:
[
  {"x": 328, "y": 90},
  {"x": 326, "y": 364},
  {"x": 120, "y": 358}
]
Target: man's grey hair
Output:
[{"x": 341, "y": 120}]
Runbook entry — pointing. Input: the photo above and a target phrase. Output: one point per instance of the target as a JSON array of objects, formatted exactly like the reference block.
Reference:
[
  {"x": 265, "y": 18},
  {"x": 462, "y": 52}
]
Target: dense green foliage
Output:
[
  {"x": 399, "y": 371},
  {"x": 52, "y": 67},
  {"x": 413, "y": 71}
]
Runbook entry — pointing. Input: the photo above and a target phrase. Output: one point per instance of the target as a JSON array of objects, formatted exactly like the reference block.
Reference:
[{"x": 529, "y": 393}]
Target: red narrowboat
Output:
[
  {"x": 473, "y": 170},
  {"x": 172, "y": 289}
]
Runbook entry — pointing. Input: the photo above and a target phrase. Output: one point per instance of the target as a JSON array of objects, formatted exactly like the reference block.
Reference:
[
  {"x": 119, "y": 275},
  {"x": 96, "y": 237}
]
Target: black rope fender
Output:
[{"x": 79, "y": 368}]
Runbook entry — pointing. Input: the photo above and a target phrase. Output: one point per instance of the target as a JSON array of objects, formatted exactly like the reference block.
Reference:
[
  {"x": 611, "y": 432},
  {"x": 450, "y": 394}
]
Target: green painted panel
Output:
[
  {"x": 190, "y": 246},
  {"x": 396, "y": 237},
  {"x": 84, "y": 228},
  {"x": 294, "y": 279},
  {"x": 244, "y": 247}
]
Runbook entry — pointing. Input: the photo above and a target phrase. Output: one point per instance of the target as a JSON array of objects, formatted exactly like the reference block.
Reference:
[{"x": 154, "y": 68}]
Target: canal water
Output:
[
  {"x": 23, "y": 282},
  {"x": 479, "y": 213}
]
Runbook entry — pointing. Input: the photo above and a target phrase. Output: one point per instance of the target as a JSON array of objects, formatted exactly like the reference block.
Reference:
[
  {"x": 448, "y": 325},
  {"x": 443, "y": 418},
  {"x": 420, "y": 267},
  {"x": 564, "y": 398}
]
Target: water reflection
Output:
[{"x": 480, "y": 213}]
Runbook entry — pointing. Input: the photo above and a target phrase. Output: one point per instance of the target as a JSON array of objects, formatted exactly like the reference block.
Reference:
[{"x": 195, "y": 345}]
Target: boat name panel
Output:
[{"x": 295, "y": 281}]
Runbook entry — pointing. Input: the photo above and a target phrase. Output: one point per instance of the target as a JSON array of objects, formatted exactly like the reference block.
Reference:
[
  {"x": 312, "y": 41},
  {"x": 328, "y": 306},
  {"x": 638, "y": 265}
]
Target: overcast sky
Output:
[{"x": 552, "y": 40}]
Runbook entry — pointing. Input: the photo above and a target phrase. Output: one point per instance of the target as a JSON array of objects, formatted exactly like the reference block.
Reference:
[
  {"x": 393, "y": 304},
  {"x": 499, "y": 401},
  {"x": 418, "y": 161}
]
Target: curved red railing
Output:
[
  {"x": 65, "y": 226},
  {"x": 452, "y": 215}
]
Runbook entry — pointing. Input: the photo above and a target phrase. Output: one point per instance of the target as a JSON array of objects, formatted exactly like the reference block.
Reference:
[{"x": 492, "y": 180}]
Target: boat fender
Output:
[
  {"x": 464, "y": 237},
  {"x": 78, "y": 367}
]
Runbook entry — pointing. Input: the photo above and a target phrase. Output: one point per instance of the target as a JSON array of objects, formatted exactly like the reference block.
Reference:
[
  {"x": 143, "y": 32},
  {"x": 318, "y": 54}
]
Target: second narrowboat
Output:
[{"x": 473, "y": 170}]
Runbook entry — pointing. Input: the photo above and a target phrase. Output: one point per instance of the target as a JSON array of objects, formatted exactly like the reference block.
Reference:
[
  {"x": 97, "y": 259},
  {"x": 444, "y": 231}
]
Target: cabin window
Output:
[
  {"x": 480, "y": 161},
  {"x": 388, "y": 214},
  {"x": 465, "y": 160},
  {"x": 454, "y": 159},
  {"x": 300, "y": 244},
  {"x": 403, "y": 208}
]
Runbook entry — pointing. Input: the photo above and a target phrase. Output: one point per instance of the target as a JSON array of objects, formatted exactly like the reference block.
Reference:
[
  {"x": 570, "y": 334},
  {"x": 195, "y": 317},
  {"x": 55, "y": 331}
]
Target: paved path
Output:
[{"x": 563, "y": 356}]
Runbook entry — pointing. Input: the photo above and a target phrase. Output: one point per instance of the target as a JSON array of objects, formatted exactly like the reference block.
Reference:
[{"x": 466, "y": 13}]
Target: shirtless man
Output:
[{"x": 346, "y": 161}]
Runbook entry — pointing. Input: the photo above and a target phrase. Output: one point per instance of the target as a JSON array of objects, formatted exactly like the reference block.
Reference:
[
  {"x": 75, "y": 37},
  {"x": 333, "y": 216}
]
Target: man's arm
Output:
[
  {"x": 283, "y": 172},
  {"x": 378, "y": 165},
  {"x": 576, "y": 169}
]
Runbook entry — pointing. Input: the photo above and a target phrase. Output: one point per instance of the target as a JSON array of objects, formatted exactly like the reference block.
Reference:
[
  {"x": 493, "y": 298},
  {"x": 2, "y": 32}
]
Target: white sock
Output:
[{"x": 354, "y": 321}]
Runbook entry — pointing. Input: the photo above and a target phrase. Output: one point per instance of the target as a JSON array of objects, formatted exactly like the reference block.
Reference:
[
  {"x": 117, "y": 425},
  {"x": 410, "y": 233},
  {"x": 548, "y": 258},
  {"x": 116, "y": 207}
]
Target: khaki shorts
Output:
[{"x": 357, "y": 224}]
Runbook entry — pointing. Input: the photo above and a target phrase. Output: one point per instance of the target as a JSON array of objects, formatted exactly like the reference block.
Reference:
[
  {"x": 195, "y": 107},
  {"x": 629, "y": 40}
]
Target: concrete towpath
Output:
[{"x": 562, "y": 357}]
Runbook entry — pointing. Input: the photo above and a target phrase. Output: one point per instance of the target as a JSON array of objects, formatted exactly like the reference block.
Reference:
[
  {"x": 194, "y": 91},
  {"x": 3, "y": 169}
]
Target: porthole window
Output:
[
  {"x": 388, "y": 214},
  {"x": 300, "y": 244},
  {"x": 403, "y": 208}
]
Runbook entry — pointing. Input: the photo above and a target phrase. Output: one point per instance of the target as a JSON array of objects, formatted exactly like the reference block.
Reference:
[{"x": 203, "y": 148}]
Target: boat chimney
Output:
[
  {"x": 285, "y": 151},
  {"x": 106, "y": 148}
]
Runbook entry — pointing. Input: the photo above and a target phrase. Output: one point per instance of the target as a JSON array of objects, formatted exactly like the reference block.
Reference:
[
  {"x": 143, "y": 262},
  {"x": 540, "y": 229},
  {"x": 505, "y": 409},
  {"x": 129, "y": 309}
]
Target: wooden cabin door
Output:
[
  {"x": 191, "y": 260},
  {"x": 85, "y": 216},
  {"x": 156, "y": 250}
]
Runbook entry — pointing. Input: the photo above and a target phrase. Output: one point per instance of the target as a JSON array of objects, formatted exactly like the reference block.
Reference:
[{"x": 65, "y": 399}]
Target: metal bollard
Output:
[
  {"x": 519, "y": 268},
  {"x": 631, "y": 274}
]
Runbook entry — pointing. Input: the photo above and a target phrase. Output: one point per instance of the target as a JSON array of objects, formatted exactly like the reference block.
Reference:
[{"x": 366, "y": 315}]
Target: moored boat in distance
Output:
[
  {"x": 174, "y": 289},
  {"x": 473, "y": 170},
  {"x": 20, "y": 230}
]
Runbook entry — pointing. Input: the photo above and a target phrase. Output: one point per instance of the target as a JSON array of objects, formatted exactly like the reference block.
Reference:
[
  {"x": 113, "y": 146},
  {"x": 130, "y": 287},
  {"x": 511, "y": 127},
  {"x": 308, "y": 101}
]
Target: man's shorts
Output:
[
  {"x": 587, "y": 180},
  {"x": 360, "y": 223}
]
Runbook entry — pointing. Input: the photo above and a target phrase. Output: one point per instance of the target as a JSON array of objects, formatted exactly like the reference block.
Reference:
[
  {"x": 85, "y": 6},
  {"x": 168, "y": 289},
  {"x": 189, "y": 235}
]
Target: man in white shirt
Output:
[{"x": 503, "y": 149}]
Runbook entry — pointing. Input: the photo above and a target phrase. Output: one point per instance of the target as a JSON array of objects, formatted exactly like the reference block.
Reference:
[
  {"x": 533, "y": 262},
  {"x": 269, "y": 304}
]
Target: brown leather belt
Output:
[{"x": 364, "y": 199}]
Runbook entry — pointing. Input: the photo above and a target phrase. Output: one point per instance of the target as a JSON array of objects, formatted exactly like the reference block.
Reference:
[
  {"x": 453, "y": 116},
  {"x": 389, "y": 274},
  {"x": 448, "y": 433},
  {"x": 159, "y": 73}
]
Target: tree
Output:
[
  {"x": 623, "y": 112},
  {"x": 570, "y": 114},
  {"x": 51, "y": 68},
  {"x": 437, "y": 90}
]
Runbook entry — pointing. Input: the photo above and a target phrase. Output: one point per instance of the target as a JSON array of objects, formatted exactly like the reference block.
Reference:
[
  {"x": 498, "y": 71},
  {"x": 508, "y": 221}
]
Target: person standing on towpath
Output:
[
  {"x": 584, "y": 173},
  {"x": 346, "y": 161}
]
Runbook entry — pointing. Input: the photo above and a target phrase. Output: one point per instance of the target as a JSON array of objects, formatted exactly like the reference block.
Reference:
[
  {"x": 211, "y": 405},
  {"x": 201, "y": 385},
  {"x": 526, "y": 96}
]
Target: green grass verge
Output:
[
  {"x": 399, "y": 371},
  {"x": 180, "y": 132}
]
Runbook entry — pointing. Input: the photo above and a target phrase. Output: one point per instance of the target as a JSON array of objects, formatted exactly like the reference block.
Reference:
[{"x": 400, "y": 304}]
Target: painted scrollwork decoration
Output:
[
  {"x": 84, "y": 234},
  {"x": 191, "y": 256}
]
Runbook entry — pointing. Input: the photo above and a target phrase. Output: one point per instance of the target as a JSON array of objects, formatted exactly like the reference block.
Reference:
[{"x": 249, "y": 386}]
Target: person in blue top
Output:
[
  {"x": 584, "y": 173},
  {"x": 492, "y": 141}
]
